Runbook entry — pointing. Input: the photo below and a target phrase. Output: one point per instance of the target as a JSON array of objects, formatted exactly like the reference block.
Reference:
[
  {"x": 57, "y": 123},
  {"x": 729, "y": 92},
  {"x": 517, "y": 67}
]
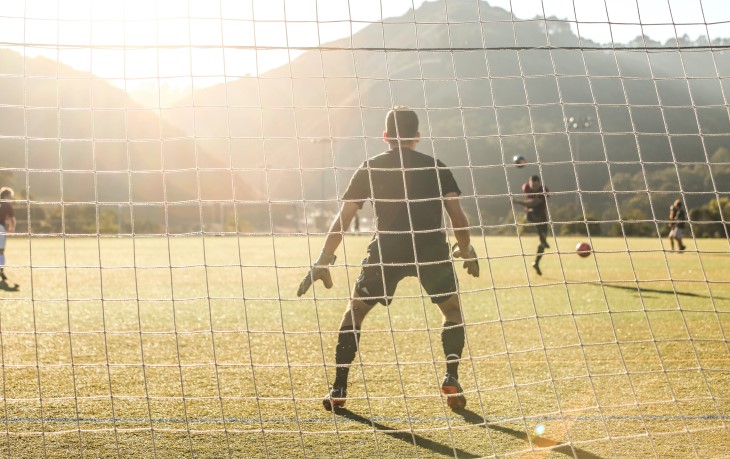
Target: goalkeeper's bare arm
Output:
[
  {"x": 341, "y": 221},
  {"x": 461, "y": 231},
  {"x": 320, "y": 270}
]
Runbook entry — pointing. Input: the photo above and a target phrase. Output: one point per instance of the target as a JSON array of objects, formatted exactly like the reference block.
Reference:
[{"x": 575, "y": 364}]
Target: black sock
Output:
[
  {"x": 345, "y": 352},
  {"x": 540, "y": 250},
  {"x": 453, "y": 342}
]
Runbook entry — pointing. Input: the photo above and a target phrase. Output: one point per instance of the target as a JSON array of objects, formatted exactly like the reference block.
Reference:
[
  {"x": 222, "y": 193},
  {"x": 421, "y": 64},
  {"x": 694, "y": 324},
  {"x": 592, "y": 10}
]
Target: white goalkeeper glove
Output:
[
  {"x": 471, "y": 262},
  {"x": 320, "y": 271}
]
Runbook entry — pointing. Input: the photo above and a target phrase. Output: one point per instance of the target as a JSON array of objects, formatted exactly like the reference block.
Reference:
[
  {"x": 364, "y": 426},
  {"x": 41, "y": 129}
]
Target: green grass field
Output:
[{"x": 192, "y": 347}]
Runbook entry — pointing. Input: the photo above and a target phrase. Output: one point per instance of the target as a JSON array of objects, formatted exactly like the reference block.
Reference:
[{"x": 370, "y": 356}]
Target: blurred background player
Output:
[
  {"x": 7, "y": 225},
  {"x": 408, "y": 233},
  {"x": 677, "y": 217},
  {"x": 535, "y": 203}
]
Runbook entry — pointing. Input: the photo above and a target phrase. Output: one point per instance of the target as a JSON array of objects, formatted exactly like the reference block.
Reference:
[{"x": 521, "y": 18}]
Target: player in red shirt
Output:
[
  {"x": 7, "y": 225},
  {"x": 535, "y": 203}
]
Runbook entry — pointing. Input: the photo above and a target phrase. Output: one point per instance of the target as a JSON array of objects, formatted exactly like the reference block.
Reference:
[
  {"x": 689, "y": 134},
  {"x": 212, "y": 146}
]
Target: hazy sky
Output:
[{"x": 220, "y": 23}]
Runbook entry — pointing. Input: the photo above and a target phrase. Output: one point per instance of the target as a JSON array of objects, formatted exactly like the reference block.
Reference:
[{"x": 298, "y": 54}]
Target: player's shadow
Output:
[
  {"x": 541, "y": 442},
  {"x": 640, "y": 289},
  {"x": 408, "y": 437},
  {"x": 4, "y": 286}
]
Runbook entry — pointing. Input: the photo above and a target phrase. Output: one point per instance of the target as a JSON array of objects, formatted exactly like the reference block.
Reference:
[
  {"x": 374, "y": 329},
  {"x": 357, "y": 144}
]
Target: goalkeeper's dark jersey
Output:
[{"x": 406, "y": 188}]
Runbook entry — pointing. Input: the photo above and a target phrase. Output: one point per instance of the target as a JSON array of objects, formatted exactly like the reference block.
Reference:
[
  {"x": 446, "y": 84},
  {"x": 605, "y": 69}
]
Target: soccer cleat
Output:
[
  {"x": 453, "y": 392},
  {"x": 682, "y": 247},
  {"x": 537, "y": 269},
  {"x": 336, "y": 398}
]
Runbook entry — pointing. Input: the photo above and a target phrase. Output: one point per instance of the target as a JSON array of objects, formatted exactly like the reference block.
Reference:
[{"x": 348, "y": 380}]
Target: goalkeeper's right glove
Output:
[
  {"x": 320, "y": 271},
  {"x": 471, "y": 262}
]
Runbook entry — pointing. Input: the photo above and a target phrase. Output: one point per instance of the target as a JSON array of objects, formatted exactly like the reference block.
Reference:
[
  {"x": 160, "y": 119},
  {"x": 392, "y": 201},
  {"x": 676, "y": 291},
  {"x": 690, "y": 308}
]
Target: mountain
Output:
[
  {"x": 486, "y": 86},
  {"x": 88, "y": 142},
  {"x": 471, "y": 84}
]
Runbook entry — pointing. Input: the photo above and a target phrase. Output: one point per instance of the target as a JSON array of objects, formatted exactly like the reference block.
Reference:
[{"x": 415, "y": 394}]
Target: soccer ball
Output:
[
  {"x": 519, "y": 160},
  {"x": 583, "y": 249}
]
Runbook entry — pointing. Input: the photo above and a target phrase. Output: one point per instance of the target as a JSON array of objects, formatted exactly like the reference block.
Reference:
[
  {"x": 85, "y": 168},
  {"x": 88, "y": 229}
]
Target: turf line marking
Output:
[{"x": 568, "y": 419}]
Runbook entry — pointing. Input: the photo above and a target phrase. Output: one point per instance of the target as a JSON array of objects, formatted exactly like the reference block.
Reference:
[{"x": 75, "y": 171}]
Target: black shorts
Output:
[
  {"x": 542, "y": 229},
  {"x": 538, "y": 221},
  {"x": 378, "y": 281},
  {"x": 536, "y": 217}
]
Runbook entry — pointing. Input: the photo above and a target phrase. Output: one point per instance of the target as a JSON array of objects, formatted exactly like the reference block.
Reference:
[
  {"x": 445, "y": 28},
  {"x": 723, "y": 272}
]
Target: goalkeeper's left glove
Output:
[
  {"x": 471, "y": 262},
  {"x": 320, "y": 271}
]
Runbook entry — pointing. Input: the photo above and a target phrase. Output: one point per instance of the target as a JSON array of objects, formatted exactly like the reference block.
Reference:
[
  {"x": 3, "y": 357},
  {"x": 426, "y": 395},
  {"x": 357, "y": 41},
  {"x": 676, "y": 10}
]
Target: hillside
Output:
[
  {"x": 88, "y": 142},
  {"x": 486, "y": 88},
  {"x": 478, "y": 112}
]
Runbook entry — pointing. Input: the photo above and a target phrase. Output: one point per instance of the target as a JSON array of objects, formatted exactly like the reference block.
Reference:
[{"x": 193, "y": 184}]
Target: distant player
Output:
[
  {"x": 535, "y": 203},
  {"x": 677, "y": 219},
  {"x": 409, "y": 191},
  {"x": 7, "y": 225}
]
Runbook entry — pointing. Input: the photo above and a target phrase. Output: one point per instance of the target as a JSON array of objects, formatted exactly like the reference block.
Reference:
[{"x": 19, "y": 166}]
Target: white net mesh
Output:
[{"x": 176, "y": 166}]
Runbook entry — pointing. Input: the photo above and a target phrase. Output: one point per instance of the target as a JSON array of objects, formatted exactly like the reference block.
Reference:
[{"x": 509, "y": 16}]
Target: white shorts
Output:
[
  {"x": 676, "y": 233},
  {"x": 2, "y": 237}
]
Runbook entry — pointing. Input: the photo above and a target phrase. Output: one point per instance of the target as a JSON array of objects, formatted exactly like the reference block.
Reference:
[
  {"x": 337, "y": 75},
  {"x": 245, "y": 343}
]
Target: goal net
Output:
[{"x": 176, "y": 166}]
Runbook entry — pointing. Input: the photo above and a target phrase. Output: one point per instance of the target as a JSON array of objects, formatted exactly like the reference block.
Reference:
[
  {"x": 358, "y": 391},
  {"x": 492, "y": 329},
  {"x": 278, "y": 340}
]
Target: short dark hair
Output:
[
  {"x": 6, "y": 191},
  {"x": 401, "y": 122},
  {"x": 535, "y": 178}
]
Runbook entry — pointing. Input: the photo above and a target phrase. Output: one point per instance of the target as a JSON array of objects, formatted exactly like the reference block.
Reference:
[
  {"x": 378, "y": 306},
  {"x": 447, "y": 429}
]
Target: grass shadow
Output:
[
  {"x": 4, "y": 286},
  {"x": 640, "y": 289},
  {"x": 407, "y": 436},
  {"x": 541, "y": 442}
]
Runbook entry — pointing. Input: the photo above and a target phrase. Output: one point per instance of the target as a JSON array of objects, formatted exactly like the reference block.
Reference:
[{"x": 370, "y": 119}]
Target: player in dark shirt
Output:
[
  {"x": 7, "y": 225},
  {"x": 677, "y": 219},
  {"x": 408, "y": 191},
  {"x": 535, "y": 203}
]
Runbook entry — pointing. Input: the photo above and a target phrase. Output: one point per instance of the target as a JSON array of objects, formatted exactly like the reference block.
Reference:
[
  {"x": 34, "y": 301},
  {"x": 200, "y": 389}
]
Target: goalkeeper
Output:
[{"x": 409, "y": 191}]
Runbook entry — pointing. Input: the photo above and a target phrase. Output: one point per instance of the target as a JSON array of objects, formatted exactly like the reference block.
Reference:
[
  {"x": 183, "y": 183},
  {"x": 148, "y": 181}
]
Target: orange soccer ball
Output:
[{"x": 583, "y": 249}]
